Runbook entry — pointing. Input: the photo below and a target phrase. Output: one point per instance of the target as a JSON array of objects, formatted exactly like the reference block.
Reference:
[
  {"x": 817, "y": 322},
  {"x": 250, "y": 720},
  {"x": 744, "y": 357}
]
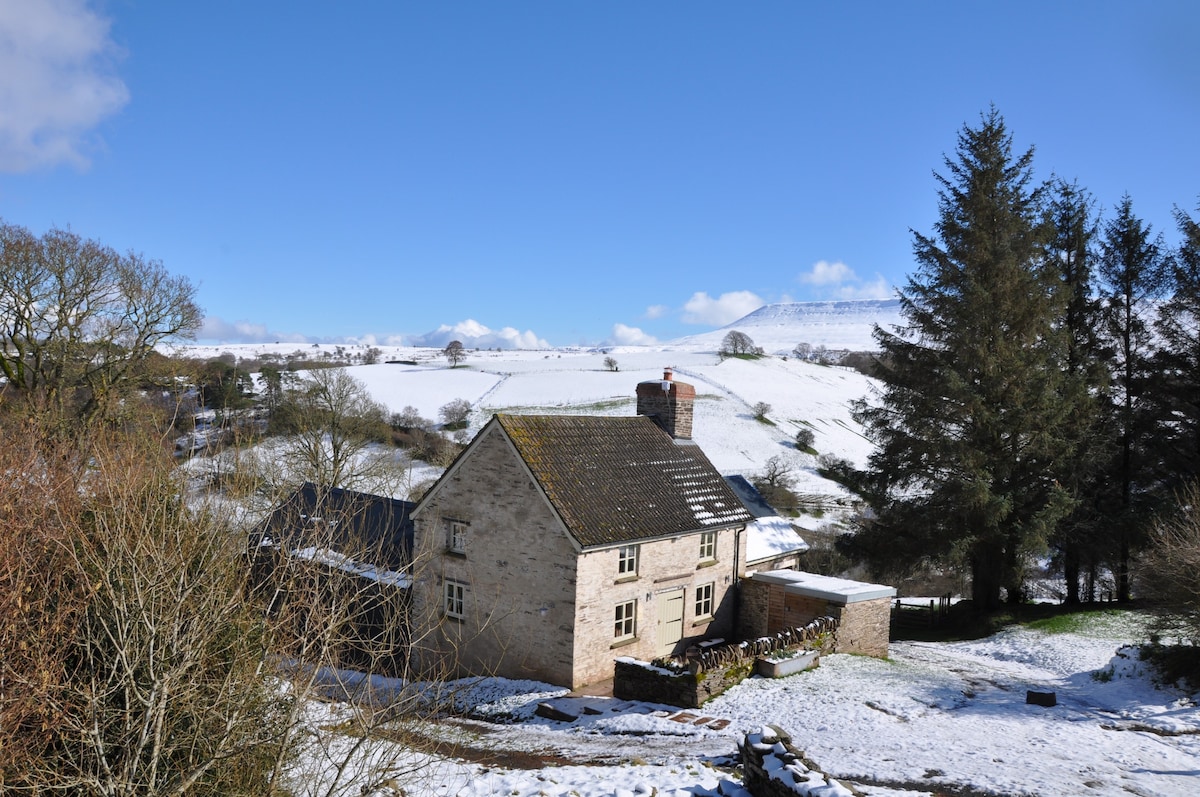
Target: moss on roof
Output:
[{"x": 622, "y": 479}]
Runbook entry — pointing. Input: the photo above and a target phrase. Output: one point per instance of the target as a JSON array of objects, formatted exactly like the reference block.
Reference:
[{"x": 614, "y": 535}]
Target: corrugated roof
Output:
[{"x": 622, "y": 479}]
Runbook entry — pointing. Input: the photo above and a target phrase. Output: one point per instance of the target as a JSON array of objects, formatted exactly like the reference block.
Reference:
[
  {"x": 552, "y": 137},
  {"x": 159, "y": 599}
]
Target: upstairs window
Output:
[
  {"x": 627, "y": 561},
  {"x": 456, "y": 536},
  {"x": 708, "y": 546}
]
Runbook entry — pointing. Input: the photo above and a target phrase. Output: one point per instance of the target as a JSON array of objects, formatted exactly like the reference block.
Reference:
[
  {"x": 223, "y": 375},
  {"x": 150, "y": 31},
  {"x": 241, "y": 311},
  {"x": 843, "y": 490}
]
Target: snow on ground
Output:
[{"x": 945, "y": 717}]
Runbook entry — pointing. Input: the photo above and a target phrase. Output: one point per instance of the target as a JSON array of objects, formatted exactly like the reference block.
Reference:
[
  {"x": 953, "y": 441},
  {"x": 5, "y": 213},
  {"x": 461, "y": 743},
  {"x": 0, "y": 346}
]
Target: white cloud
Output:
[
  {"x": 703, "y": 309},
  {"x": 57, "y": 82},
  {"x": 631, "y": 336},
  {"x": 839, "y": 281},
  {"x": 656, "y": 311},
  {"x": 876, "y": 289},
  {"x": 825, "y": 273},
  {"x": 220, "y": 330},
  {"x": 475, "y": 335}
]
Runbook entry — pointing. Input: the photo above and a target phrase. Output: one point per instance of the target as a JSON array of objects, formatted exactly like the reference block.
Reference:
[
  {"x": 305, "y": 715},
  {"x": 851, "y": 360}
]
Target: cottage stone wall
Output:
[
  {"x": 664, "y": 568},
  {"x": 754, "y": 609},
  {"x": 517, "y": 566}
]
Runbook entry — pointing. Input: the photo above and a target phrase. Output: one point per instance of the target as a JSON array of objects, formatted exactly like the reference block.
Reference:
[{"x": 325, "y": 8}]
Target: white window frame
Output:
[
  {"x": 627, "y": 561},
  {"x": 625, "y": 620},
  {"x": 708, "y": 546},
  {"x": 456, "y": 536},
  {"x": 705, "y": 599},
  {"x": 454, "y": 599}
]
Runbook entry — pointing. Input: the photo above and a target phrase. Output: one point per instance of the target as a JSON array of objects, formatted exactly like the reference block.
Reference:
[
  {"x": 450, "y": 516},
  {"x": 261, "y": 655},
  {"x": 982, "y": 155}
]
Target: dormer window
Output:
[
  {"x": 627, "y": 562},
  {"x": 456, "y": 536}
]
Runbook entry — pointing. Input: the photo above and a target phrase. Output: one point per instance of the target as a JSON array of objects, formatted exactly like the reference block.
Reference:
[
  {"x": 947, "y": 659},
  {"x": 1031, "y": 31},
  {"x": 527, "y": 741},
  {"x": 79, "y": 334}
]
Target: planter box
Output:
[{"x": 769, "y": 668}]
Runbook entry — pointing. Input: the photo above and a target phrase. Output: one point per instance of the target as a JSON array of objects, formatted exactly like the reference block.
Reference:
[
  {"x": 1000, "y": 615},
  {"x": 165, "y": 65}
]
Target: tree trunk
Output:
[
  {"x": 985, "y": 579},
  {"x": 1071, "y": 575}
]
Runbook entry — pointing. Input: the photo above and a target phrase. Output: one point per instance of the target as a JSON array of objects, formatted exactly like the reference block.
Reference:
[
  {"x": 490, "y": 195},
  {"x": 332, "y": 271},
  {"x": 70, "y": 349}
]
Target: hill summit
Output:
[{"x": 777, "y": 328}]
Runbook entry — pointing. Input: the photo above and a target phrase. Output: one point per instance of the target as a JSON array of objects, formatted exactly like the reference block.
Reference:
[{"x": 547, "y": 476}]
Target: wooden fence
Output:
[{"x": 909, "y": 616}]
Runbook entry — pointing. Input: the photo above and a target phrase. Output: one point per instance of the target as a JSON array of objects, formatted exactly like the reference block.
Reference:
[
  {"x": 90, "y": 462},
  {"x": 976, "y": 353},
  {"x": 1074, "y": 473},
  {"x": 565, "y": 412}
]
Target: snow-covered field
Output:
[{"x": 935, "y": 718}]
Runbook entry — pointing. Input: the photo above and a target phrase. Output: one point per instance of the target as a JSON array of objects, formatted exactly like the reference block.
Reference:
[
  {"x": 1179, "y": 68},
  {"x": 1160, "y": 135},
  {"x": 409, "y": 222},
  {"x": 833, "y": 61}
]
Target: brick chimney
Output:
[{"x": 668, "y": 403}]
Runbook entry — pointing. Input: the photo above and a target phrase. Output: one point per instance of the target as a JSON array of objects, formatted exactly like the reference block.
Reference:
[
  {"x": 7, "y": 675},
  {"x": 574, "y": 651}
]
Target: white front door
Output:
[{"x": 670, "y": 620}]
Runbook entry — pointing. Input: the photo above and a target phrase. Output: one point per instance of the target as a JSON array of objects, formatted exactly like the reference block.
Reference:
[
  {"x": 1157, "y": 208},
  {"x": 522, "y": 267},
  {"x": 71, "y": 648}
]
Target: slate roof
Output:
[
  {"x": 622, "y": 479},
  {"x": 350, "y": 522}
]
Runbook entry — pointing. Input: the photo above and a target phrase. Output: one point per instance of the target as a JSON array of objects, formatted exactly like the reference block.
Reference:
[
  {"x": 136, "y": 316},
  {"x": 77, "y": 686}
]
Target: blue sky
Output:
[{"x": 561, "y": 172}]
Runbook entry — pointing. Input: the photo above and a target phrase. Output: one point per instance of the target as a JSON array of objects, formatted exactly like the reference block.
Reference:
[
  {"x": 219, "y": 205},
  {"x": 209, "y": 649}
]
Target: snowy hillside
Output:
[
  {"x": 777, "y": 328},
  {"x": 575, "y": 380},
  {"x": 800, "y": 394}
]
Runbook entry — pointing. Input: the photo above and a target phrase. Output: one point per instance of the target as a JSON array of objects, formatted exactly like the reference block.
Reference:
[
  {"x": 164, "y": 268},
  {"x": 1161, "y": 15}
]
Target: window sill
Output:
[
  {"x": 620, "y": 643},
  {"x": 456, "y": 553},
  {"x": 452, "y": 619},
  {"x": 701, "y": 621},
  {"x": 626, "y": 579},
  {"x": 707, "y": 563}
]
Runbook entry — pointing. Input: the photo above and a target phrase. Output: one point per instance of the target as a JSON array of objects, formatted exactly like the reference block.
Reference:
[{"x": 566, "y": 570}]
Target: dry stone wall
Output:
[{"x": 771, "y": 767}]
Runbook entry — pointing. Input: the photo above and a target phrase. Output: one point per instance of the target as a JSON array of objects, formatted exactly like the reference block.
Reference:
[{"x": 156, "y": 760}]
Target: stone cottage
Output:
[{"x": 554, "y": 544}]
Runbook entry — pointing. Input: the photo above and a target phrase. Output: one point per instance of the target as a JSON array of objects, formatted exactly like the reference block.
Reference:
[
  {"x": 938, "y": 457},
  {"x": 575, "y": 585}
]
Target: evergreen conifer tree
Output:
[
  {"x": 1132, "y": 271},
  {"x": 1176, "y": 391},
  {"x": 1078, "y": 541},
  {"x": 967, "y": 419}
]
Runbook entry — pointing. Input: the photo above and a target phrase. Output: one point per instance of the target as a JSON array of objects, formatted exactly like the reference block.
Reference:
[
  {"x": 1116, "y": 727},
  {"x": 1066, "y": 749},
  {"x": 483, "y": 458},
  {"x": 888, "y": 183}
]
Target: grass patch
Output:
[{"x": 963, "y": 623}]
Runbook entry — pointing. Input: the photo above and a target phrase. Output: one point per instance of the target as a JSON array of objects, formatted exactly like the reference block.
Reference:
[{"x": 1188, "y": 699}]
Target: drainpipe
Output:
[{"x": 736, "y": 586}]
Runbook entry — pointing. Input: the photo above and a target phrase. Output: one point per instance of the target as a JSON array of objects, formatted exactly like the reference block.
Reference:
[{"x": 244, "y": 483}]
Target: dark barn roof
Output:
[
  {"x": 622, "y": 479},
  {"x": 359, "y": 525},
  {"x": 751, "y": 498}
]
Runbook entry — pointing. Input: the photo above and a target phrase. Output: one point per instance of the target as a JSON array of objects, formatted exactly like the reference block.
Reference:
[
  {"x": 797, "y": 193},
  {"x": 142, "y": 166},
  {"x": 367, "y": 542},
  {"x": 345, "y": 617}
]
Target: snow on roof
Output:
[
  {"x": 768, "y": 537},
  {"x": 834, "y": 590},
  {"x": 339, "y": 561}
]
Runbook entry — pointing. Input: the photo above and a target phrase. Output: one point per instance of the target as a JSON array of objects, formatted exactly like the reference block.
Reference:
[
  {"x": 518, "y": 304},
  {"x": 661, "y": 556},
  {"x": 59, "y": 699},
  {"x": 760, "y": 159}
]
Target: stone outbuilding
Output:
[{"x": 780, "y": 599}]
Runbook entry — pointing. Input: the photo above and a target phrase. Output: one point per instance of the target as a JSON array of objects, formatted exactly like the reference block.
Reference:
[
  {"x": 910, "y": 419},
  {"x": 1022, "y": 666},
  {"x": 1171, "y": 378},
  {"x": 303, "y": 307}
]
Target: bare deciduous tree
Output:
[
  {"x": 409, "y": 418},
  {"x": 1169, "y": 573},
  {"x": 610, "y": 363},
  {"x": 760, "y": 410},
  {"x": 454, "y": 413},
  {"x": 454, "y": 352},
  {"x": 736, "y": 344},
  {"x": 77, "y": 318},
  {"x": 148, "y": 676},
  {"x": 332, "y": 422}
]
